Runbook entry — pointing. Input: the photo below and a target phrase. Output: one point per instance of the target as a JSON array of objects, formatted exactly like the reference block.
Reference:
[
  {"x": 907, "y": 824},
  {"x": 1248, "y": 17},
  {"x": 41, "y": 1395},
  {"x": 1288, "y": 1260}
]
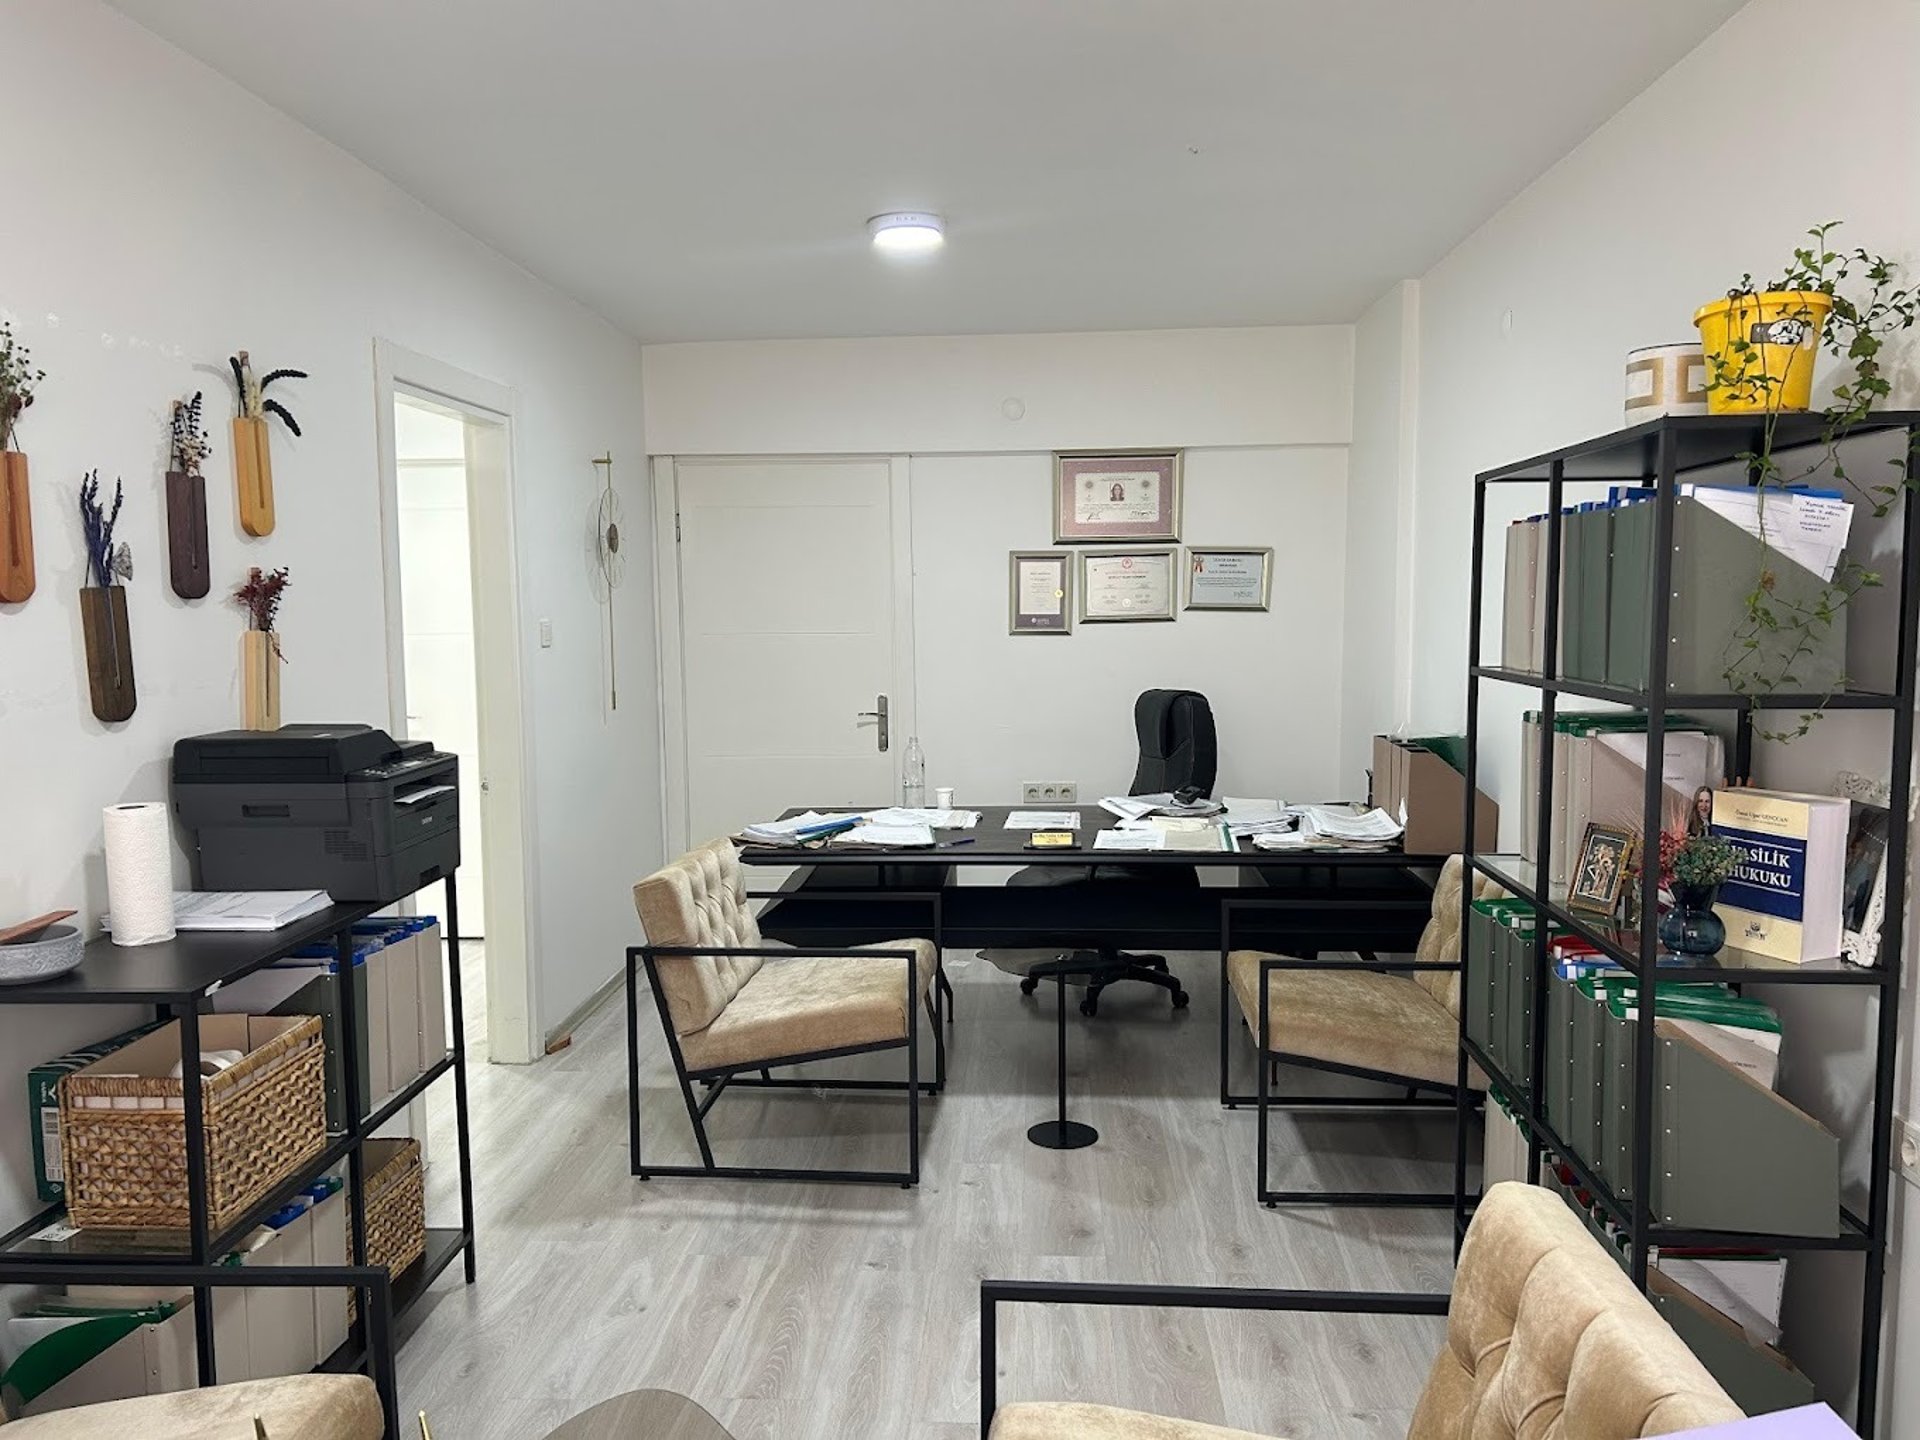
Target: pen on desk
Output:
[{"x": 949, "y": 844}]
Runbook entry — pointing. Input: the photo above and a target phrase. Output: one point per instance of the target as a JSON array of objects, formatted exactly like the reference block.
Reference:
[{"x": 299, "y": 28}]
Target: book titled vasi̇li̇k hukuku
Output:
[{"x": 1783, "y": 900}]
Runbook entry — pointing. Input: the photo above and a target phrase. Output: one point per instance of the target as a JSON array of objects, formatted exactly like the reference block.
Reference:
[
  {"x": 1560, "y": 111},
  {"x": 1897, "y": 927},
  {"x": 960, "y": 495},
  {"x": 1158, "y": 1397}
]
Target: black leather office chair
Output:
[{"x": 1178, "y": 751}]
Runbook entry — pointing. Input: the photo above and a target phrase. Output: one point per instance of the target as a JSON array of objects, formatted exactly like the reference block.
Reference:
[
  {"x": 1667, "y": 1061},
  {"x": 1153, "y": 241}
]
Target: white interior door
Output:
[{"x": 794, "y": 631}]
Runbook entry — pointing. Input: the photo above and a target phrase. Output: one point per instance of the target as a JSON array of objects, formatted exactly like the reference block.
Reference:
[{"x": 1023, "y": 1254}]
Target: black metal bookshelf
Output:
[
  {"x": 177, "y": 978},
  {"x": 1657, "y": 454}
]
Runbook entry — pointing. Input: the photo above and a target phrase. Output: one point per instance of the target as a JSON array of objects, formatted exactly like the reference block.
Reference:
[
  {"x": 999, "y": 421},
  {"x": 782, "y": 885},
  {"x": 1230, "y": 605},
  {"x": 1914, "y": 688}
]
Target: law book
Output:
[{"x": 1784, "y": 897}]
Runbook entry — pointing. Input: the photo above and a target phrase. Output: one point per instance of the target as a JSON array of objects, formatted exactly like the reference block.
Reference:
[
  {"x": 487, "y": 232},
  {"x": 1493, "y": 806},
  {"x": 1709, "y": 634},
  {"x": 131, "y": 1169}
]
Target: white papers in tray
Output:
[
  {"x": 1334, "y": 822},
  {"x": 1043, "y": 820},
  {"x": 1258, "y": 817},
  {"x": 240, "y": 910},
  {"x": 930, "y": 816},
  {"x": 1147, "y": 838}
]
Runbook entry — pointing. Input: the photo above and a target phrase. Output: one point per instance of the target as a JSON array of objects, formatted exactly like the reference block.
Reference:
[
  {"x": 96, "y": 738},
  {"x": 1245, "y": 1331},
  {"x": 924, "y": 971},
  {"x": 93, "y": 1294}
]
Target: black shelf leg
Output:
[
  {"x": 454, "y": 994},
  {"x": 198, "y": 1226},
  {"x": 354, "y": 1105}
]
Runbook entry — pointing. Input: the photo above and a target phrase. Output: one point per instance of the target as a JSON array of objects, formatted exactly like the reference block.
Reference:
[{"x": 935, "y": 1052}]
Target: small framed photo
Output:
[
  {"x": 1115, "y": 495},
  {"x": 1863, "y": 890},
  {"x": 1126, "y": 585},
  {"x": 1600, "y": 873},
  {"x": 1224, "y": 577},
  {"x": 1039, "y": 593}
]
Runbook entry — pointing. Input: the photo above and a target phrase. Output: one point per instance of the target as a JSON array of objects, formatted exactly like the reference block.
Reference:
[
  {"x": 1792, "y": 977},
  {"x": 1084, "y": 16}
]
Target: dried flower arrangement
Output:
[
  {"x": 254, "y": 404},
  {"x": 187, "y": 445},
  {"x": 261, "y": 595},
  {"x": 106, "y": 563},
  {"x": 17, "y": 381}
]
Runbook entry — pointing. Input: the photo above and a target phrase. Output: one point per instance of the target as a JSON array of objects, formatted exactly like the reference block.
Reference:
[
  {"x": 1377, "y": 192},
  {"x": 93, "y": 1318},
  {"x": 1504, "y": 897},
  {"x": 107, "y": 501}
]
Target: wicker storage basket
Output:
[
  {"x": 123, "y": 1123},
  {"x": 396, "y": 1209}
]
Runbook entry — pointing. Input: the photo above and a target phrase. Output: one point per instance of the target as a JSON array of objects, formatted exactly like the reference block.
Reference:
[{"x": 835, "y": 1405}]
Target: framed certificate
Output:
[
  {"x": 1126, "y": 585},
  {"x": 1115, "y": 495},
  {"x": 1229, "y": 577},
  {"x": 1039, "y": 593}
]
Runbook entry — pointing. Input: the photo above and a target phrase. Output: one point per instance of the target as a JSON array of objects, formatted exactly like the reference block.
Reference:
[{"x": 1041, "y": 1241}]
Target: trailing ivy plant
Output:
[{"x": 1869, "y": 306}]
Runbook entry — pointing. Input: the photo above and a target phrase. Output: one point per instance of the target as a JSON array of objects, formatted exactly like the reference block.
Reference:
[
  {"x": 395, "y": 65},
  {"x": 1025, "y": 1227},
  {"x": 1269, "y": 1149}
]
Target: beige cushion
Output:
[
  {"x": 1100, "y": 1422},
  {"x": 293, "y": 1407},
  {"x": 801, "y": 1006},
  {"x": 1352, "y": 1016},
  {"x": 700, "y": 899},
  {"x": 1547, "y": 1337},
  {"x": 1546, "y": 1340}
]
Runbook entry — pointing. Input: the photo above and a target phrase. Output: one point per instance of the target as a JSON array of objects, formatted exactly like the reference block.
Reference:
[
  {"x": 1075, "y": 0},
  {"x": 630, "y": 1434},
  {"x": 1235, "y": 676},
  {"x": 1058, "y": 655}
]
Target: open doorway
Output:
[{"x": 453, "y": 663}]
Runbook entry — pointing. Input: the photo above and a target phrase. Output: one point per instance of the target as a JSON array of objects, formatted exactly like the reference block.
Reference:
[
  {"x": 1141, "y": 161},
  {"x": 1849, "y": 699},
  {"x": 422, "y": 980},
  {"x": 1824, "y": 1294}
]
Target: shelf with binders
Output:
[
  {"x": 1638, "y": 601},
  {"x": 1621, "y": 943}
]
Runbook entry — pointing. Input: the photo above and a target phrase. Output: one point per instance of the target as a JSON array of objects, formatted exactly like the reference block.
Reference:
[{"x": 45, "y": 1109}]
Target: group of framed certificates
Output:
[{"x": 1131, "y": 499}]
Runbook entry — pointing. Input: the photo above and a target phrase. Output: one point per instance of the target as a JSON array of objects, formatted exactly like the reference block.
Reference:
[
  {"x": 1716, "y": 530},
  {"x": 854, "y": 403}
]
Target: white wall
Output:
[
  {"x": 163, "y": 219},
  {"x": 1381, "y": 555},
  {"x": 1263, "y": 416},
  {"x": 997, "y": 709},
  {"x": 1523, "y": 330}
]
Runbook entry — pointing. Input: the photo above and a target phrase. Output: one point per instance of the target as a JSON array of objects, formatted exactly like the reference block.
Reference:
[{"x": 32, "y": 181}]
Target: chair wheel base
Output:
[
  {"x": 1180, "y": 999},
  {"x": 1029, "y": 985},
  {"x": 1062, "y": 1135}
]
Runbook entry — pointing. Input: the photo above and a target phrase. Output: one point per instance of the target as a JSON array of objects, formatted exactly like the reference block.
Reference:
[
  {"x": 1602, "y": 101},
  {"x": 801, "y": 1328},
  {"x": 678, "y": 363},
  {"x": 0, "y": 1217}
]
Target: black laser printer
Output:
[{"x": 342, "y": 808}]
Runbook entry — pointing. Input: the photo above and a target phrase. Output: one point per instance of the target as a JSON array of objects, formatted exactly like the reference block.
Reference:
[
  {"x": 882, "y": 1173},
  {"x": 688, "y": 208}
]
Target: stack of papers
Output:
[
  {"x": 798, "y": 830},
  {"x": 930, "y": 816},
  {"x": 1811, "y": 526},
  {"x": 1259, "y": 817},
  {"x": 244, "y": 909},
  {"x": 898, "y": 836},
  {"x": 1138, "y": 807},
  {"x": 1043, "y": 820},
  {"x": 1338, "y": 823},
  {"x": 1146, "y": 838}
]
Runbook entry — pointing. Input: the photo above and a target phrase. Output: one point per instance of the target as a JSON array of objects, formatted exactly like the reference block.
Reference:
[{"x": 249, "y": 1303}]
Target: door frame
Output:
[
  {"x": 510, "y": 906},
  {"x": 671, "y": 650}
]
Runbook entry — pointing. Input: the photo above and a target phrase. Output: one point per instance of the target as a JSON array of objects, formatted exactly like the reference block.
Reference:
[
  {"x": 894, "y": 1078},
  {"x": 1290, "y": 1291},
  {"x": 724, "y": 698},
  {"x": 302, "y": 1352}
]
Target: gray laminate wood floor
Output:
[{"x": 803, "y": 1312}]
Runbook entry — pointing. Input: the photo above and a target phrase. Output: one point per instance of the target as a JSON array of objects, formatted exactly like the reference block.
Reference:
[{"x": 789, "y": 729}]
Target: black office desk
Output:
[{"x": 1343, "y": 900}]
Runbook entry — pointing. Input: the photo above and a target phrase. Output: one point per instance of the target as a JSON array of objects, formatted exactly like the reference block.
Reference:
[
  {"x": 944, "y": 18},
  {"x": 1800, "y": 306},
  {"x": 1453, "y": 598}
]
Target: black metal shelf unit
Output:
[
  {"x": 177, "y": 978},
  {"x": 1656, "y": 454}
]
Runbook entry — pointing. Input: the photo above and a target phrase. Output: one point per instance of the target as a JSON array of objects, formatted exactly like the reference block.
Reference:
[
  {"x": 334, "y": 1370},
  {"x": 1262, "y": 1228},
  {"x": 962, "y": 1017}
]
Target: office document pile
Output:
[
  {"x": 1334, "y": 827},
  {"x": 895, "y": 827}
]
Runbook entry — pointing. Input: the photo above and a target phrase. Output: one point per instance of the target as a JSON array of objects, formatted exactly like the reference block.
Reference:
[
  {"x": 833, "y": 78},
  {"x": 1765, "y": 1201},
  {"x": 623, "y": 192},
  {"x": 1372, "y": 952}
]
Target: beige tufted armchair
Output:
[
  {"x": 732, "y": 1005},
  {"x": 1389, "y": 1020},
  {"x": 1546, "y": 1339}
]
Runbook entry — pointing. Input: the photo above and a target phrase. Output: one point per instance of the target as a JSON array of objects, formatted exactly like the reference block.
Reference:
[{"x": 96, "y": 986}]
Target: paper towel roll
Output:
[{"x": 139, "y": 873}]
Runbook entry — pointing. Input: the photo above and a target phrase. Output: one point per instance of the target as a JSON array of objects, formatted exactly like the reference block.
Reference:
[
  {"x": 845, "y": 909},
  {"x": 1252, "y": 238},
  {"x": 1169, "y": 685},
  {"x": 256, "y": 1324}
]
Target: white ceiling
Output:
[{"x": 702, "y": 169}]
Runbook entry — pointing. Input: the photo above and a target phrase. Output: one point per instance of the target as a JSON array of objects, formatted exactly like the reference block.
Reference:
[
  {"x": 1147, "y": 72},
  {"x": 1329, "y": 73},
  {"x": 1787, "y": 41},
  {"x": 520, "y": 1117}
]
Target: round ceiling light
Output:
[{"x": 907, "y": 232}]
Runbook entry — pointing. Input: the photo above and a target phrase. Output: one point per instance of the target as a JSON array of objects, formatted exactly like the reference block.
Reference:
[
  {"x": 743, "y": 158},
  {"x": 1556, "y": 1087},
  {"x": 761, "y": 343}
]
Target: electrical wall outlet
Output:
[
  {"x": 1049, "y": 792},
  {"x": 1906, "y": 1150}
]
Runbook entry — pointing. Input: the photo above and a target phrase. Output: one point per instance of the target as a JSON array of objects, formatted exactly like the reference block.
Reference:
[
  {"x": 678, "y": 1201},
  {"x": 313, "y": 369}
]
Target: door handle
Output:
[{"x": 879, "y": 713}]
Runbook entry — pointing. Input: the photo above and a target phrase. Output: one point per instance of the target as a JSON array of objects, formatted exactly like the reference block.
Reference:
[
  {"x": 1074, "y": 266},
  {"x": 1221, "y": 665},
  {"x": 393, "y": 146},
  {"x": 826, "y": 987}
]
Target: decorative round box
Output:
[
  {"x": 1666, "y": 380},
  {"x": 56, "y": 951}
]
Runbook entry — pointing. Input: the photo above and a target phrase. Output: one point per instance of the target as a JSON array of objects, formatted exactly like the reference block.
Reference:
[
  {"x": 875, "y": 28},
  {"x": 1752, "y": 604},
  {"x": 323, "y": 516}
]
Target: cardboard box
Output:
[
  {"x": 281, "y": 1319},
  {"x": 1425, "y": 790},
  {"x": 151, "y": 1360}
]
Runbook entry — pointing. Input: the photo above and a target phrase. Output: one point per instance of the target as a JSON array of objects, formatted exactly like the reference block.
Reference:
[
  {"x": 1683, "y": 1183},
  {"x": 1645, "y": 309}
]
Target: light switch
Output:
[{"x": 546, "y": 634}]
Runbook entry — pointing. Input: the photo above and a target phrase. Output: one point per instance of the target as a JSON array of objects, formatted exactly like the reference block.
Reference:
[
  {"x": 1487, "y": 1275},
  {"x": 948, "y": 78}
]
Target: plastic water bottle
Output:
[{"x": 913, "y": 775}]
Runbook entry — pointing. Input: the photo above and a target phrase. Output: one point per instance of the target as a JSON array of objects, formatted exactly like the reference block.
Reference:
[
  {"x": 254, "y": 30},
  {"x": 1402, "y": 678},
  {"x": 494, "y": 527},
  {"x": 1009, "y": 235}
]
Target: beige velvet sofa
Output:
[
  {"x": 1546, "y": 1339},
  {"x": 292, "y": 1407},
  {"x": 734, "y": 1007}
]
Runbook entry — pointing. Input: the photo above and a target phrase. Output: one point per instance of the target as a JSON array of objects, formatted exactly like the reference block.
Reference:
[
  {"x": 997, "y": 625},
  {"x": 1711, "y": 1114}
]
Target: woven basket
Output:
[
  {"x": 126, "y": 1167},
  {"x": 396, "y": 1208}
]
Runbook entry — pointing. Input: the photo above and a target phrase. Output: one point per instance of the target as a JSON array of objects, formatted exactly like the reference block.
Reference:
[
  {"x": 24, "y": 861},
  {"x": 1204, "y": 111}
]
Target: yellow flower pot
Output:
[{"x": 1760, "y": 350}]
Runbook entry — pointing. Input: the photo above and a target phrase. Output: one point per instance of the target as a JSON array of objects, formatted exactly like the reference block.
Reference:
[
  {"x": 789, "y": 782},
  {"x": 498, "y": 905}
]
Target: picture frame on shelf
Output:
[
  {"x": 1863, "y": 894},
  {"x": 1229, "y": 577},
  {"x": 1039, "y": 592},
  {"x": 1600, "y": 872},
  {"x": 1108, "y": 496}
]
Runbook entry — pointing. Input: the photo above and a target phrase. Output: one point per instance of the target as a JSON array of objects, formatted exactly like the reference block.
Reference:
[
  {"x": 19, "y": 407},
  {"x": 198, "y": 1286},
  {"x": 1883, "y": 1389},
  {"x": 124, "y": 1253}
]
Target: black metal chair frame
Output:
[
  {"x": 755, "y": 1074},
  {"x": 994, "y": 1293},
  {"x": 1444, "y": 1098}
]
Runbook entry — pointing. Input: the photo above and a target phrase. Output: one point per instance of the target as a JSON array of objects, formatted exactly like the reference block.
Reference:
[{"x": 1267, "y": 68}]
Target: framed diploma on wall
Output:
[
  {"x": 1229, "y": 577},
  {"x": 1040, "y": 593},
  {"x": 1100, "y": 497},
  {"x": 1126, "y": 585}
]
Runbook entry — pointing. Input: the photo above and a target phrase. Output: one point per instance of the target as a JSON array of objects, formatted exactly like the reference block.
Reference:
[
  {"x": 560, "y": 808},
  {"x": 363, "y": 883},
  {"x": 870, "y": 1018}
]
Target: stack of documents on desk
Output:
[
  {"x": 248, "y": 910},
  {"x": 1344, "y": 825},
  {"x": 902, "y": 837},
  {"x": 1043, "y": 820},
  {"x": 1259, "y": 817},
  {"x": 1146, "y": 837},
  {"x": 928, "y": 815},
  {"x": 1138, "y": 807},
  {"x": 796, "y": 831}
]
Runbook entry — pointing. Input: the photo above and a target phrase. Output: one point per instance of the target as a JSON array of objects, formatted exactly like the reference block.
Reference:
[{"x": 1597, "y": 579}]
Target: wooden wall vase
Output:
[
  {"x": 187, "y": 534},
  {"x": 260, "y": 679},
  {"x": 103, "y": 621},
  {"x": 16, "y": 529},
  {"x": 253, "y": 473}
]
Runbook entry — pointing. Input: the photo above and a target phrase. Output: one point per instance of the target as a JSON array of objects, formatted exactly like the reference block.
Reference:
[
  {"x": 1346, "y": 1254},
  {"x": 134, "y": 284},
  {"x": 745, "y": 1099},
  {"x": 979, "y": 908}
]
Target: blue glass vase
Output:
[{"x": 1690, "y": 928}]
